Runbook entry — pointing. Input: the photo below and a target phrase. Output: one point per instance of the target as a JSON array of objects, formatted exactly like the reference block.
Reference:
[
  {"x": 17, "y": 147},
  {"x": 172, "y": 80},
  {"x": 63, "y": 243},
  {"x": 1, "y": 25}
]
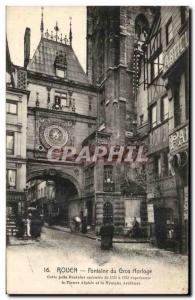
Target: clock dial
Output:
[{"x": 55, "y": 135}]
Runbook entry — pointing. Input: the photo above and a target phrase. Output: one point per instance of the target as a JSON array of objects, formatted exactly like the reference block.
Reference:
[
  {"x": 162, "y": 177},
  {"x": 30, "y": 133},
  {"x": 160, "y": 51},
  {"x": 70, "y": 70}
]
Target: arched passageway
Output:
[{"x": 56, "y": 196}]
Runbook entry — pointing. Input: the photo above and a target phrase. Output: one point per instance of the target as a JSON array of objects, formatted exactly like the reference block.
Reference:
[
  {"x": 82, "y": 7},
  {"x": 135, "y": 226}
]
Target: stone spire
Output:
[
  {"x": 42, "y": 24},
  {"x": 70, "y": 33}
]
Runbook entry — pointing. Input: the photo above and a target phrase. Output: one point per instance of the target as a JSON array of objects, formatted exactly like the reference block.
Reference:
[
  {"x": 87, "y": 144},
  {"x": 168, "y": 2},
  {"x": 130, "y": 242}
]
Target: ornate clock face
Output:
[{"x": 55, "y": 135}]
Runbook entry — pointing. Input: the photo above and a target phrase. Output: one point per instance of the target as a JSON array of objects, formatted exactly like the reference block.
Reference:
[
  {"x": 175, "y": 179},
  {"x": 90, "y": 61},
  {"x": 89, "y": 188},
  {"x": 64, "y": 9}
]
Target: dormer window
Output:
[{"x": 60, "y": 65}]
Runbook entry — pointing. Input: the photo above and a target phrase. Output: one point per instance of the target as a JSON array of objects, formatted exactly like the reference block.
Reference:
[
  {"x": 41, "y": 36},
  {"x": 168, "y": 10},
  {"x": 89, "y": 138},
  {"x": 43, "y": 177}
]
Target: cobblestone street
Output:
[{"x": 57, "y": 249}]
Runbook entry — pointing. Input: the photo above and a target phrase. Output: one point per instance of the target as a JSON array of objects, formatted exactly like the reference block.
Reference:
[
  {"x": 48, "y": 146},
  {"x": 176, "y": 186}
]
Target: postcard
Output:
[{"x": 97, "y": 150}]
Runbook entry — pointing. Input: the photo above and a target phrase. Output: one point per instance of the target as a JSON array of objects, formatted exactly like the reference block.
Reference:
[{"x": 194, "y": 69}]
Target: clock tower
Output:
[{"x": 62, "y": 111}]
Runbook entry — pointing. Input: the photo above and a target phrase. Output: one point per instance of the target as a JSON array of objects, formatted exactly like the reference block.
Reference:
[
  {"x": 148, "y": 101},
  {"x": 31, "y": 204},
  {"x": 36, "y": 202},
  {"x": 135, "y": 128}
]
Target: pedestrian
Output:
[
  {"x": 107, "y": 233},
  {"x": 77, "y": 221},
  {"x": 36, "y": 225},
  {"x": 135, "y": 229},
  {"x": 84, "y": 221},
  {"x": 84, "y": 225},
  {"x": 21, "y": 227}
]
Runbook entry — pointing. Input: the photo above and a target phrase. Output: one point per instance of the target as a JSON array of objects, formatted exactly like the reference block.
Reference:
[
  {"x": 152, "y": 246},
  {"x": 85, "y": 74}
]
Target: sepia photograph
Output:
[{"x": 97, "y": 150}]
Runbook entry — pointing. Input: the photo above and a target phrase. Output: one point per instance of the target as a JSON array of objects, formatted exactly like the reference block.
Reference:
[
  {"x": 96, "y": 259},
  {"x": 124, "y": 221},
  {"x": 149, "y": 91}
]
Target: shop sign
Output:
[
  {"x": 185, "y": 203},
  {"x": 150, "y": 209},
  {"x": 176, "y": 51},
  {"x": 178, "y": 139}
]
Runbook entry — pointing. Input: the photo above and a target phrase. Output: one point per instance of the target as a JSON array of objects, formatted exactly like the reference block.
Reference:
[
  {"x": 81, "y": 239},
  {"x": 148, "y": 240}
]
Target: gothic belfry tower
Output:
[
  {"x": 111, "y": 36},
  {"x": 112, "y": 33}
]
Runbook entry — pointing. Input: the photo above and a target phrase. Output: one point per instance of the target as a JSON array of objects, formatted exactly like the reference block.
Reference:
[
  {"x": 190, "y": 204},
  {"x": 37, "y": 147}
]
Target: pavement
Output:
[
  {"x": 32, "y": 266},
  {"x": 90, "y": 235}
]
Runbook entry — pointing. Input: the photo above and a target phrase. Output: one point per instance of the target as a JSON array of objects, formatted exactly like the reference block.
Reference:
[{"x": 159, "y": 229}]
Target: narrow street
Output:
[{"x": 36, "y": 266}]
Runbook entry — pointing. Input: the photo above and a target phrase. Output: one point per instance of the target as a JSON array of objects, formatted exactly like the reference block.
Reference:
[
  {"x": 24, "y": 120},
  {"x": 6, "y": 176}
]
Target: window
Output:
[
  {"x": 160, "y": 62},
  {"x": 156, "y": 66},
  {"x": 153, "y": 116},
  {"x": 10, "y": 143},
  {"x": 11, "y": 108},
  {"x": 90, "y": 106},
  {"x": 157, "y": 166},
  {"x": 89, "y": 178},
  {"x": 57, "y": 102},
  {"x": 61, "y": 100},
  {"x": 169, "y": 164},
  {"x": 177, "y": 108},
  {"x": 64, "y": 100},
  {"x": 108, "y": 179},
  {"x": 154, "y": 56},
  {"x": 107, "y": 213},
  {"x": 169, "y": 31},
  {"x": 11, "y": 178},
  {"x": 60, "y": 73},
  {"x": 164, "y": 108},
  {"x": 166, "y": 163}
]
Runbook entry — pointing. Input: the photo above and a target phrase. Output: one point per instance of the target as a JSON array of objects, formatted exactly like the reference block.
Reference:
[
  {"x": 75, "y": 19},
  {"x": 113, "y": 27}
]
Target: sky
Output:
[{"x": 20, "y": 17}]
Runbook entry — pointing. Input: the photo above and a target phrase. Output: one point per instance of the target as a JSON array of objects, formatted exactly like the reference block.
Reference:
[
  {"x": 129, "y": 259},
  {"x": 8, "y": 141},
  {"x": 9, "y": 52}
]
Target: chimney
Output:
[{"x": 26, "y": 47}]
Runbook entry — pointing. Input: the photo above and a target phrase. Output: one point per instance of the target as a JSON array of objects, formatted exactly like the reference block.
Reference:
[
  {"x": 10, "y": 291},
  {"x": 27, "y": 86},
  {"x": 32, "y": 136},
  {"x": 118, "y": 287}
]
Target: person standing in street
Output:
[
  {"x": 107, "y": 233},
  {"x": 36, "y": 225},
  {"x": 28, "y": 225}
]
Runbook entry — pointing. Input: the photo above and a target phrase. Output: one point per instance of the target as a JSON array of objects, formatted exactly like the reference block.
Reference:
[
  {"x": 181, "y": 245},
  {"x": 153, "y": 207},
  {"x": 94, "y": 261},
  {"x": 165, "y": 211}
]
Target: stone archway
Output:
[
  {"x": 66, "y": 201},
  {"x": 53, "y": 173}
]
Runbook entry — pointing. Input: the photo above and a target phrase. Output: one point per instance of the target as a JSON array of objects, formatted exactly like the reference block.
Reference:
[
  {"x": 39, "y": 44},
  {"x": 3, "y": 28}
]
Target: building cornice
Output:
[{"x": 54, "y": 80}]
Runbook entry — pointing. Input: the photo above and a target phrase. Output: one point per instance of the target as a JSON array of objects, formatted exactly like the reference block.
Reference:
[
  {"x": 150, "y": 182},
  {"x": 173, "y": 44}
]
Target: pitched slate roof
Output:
[{"x": 44, "y": 57}]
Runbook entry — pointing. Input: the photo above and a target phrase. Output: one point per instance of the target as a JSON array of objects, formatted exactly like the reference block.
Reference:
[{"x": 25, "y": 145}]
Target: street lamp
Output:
[
  {"x": 25, "y": 200},
  {"x": 25, "y": 213}
]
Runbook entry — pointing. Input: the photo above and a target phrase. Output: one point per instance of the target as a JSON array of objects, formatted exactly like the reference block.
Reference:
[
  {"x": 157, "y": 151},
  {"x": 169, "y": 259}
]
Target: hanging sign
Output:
[{"x": 176, "y": 51}]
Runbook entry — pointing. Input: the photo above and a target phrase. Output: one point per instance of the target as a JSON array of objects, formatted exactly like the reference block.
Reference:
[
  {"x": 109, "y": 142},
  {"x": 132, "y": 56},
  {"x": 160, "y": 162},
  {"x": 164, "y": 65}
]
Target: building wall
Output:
[
  {"x": 162, "y": 188},
  {"x": 83, "y": 99},
  {"x": 110, "y": 48},
  {"x": 17, "y": 124},
  {"x": 176, "y": 74}
]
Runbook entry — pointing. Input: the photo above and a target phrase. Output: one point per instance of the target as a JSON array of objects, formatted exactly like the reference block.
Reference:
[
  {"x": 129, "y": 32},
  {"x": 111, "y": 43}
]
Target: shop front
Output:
[{"x": 179, "y": 153}]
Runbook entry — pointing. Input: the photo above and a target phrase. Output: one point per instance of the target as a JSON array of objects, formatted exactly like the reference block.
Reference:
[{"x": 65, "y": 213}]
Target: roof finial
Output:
[
  {"x": 56, "y": 28},
  {"x": 42, "y": 25},
  {"x": 70, "y": 33}
]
